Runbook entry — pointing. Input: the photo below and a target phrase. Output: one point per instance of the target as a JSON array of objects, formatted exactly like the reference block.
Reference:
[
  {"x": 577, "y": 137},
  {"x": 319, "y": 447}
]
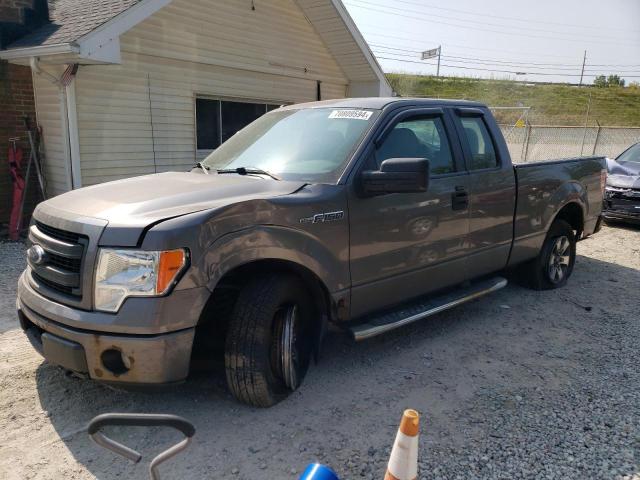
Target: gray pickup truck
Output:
[{"x": 365, "y": 214}]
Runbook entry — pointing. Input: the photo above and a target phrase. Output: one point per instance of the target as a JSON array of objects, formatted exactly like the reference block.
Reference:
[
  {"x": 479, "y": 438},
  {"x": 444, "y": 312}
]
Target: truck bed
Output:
[{"x": 543, "y": 188}]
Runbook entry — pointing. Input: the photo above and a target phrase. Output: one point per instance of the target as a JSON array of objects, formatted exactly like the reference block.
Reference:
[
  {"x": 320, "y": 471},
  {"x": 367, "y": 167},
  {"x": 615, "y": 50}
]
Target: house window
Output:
[{"x": 218, "y": 120}]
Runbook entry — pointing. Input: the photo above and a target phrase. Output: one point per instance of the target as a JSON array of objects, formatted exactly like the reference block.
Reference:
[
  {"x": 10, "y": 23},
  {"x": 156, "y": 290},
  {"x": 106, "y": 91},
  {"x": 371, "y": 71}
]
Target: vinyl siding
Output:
[
  {"x": 50, "y": 116},
  {"x": 338, "y": 39},
  {"x": 139, "y": 117}
]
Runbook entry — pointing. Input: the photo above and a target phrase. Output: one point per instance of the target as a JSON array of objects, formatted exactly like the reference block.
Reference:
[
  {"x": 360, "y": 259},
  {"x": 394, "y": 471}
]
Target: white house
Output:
[{"x": 127, "y": 87}]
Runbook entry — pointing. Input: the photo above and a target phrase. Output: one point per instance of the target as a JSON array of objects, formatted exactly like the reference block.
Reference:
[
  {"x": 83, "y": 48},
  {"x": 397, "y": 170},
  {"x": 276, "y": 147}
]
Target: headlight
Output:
[{"x": 134, "y": 273}]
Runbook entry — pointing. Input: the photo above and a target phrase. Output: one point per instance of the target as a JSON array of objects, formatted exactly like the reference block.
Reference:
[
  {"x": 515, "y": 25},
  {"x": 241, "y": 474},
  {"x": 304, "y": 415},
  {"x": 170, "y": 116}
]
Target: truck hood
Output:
[
  {"x": 141, "y": 201},
  {"x": 623, "y": 174}
]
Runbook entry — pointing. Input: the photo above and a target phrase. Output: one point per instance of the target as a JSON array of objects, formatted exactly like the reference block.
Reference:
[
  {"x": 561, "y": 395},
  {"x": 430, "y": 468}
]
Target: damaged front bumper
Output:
[
  {"x": 622, "y": 204},
  {"x": 140, "y": 359}
]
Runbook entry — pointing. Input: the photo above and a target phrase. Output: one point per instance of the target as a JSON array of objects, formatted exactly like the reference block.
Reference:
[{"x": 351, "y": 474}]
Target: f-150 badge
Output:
[{"x": 324, "y": 217}]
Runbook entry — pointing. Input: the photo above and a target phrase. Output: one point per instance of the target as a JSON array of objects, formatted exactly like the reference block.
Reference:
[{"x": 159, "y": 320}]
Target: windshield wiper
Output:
[
  {"x": 248, "y": 171},
  {"x": 204, "y": 167}
]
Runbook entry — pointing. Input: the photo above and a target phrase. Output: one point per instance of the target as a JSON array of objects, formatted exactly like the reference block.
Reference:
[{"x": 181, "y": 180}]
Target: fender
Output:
[
  {"x": 229, "y": 236},
  {"x": 570, "y": 192},
  {"x": 538, "y": 205},
  {"x": 273, "y": 242}
]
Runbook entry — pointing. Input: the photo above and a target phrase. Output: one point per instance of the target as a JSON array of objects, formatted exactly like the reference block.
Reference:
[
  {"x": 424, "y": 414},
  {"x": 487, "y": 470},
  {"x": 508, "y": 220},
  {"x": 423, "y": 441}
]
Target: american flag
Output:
[{"x": 68, "y": 74}]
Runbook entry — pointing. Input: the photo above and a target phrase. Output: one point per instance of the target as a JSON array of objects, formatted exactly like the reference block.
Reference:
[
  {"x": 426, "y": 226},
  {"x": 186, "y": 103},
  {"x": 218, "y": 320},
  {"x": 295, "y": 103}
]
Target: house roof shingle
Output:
[{"x": 71, "y": 19}]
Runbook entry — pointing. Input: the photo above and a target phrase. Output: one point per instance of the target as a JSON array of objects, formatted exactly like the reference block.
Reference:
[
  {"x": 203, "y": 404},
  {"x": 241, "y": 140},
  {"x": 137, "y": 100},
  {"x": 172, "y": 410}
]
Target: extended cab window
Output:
[
  {"x": 419, "y": 138},
  {"x": 483, "y": 154}
]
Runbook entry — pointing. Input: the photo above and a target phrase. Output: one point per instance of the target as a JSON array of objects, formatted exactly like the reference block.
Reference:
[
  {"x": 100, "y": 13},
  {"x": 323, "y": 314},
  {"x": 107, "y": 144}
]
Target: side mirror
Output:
[{"x": 397, "y": 175}]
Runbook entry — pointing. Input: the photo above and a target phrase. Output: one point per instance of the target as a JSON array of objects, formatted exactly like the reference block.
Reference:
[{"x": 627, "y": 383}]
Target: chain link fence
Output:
[
  {"x": 543, "y": 142},
  {"x": 531, "y": 142}
]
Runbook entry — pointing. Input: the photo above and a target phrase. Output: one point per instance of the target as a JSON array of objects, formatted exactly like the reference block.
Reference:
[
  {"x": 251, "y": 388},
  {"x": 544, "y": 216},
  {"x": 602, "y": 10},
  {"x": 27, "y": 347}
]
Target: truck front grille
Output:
[
  {"x": 58, "y": 234},
  {"x": 60, "y": 269},
  {"x": 52, "y": 285},
  {"x": 71, "y": 264}
]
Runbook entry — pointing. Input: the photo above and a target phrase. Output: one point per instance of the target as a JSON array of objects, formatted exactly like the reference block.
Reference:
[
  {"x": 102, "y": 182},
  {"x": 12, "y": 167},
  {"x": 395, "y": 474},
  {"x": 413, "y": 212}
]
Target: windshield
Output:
[
  {"x": 311, "y": 144},
  {"x": 630, "y": 155}
]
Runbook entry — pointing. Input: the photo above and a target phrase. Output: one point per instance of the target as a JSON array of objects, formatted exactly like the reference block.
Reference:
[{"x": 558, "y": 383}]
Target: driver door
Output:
[{"x": 403, "y": 245}]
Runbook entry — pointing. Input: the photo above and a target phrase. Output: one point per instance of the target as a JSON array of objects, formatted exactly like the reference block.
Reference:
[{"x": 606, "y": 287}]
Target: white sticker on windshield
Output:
[{"x": 353, "y": 114}]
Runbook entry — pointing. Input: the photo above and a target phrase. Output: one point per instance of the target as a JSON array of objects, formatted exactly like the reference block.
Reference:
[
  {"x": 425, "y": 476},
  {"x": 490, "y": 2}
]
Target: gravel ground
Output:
[{"x": 521, "y": 384}]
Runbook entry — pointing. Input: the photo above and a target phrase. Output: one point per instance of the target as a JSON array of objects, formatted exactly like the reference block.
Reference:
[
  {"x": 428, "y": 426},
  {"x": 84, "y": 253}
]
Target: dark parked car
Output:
[{"x": 622, "y": 195}]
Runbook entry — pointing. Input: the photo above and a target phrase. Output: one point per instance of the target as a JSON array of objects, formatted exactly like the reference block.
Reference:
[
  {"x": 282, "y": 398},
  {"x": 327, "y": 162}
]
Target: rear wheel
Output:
[
  {"x": 268, "y": 343},
  {"x": 554, "y": 264}
]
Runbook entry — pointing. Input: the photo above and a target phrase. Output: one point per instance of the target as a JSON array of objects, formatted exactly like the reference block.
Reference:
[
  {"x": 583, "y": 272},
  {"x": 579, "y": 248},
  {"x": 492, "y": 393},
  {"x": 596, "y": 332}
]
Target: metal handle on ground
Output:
[{"x": 141, "y": 420}]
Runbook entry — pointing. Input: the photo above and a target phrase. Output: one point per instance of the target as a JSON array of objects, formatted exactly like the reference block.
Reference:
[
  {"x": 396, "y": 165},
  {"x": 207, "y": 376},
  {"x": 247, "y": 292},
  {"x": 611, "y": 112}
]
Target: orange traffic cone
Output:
[{"x": 403, "y": 462}]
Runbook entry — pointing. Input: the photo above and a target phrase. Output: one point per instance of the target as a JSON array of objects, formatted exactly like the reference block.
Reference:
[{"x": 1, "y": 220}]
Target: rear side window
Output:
[
  {"x": 419, "y": 137},
  {"x": 483, "y": 153}
]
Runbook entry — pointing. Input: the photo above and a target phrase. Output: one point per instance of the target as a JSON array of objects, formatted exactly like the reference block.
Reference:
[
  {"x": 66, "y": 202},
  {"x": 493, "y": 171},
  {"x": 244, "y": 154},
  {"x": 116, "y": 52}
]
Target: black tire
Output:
[
  {"x": 554, "y": 264},
  {"x": 256, "y": 372}
]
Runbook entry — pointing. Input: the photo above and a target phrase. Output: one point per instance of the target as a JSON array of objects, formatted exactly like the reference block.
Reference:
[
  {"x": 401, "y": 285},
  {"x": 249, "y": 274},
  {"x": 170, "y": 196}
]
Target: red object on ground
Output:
[{"x": 15, "y": 165}]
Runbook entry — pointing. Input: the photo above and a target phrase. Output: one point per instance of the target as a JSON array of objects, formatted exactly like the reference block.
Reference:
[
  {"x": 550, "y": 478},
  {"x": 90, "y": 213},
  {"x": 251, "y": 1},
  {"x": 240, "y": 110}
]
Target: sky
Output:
[{"x": 539, "y": 40}]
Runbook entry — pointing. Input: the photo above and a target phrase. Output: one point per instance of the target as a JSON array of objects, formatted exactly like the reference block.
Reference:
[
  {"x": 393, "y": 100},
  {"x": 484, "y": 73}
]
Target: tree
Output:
[
  {"x": 600, "y": 81},
  {"x": 615, "y": 81},
  {"x": 610, "y": 81}
]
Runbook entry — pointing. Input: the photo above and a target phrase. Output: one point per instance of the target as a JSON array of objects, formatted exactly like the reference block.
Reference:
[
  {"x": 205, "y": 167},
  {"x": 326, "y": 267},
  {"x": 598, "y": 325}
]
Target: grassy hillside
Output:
[{"x": 555, "y": 104}]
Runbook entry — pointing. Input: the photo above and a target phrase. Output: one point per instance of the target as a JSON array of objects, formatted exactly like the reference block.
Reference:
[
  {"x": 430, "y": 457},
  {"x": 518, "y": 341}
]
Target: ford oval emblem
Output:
[{"x": 36, "y": 255}]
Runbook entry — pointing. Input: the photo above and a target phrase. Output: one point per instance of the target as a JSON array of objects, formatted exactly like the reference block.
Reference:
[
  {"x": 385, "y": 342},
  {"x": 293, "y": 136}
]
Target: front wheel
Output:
[
  {"x": 554, "y": 264},
  {"x": 268, "y": 344}
]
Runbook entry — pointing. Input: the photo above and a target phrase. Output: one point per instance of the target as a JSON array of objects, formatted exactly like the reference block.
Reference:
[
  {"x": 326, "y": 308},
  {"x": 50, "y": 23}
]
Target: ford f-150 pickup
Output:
[{"x": 365, "y": 214}]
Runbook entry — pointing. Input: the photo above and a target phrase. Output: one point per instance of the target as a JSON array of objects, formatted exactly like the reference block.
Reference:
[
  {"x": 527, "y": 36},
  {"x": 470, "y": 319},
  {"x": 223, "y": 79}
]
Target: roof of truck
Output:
[{"x": 381, "y": 102}]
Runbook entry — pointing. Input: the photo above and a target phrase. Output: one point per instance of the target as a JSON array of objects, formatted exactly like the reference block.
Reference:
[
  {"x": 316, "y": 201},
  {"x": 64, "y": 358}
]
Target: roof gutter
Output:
[
  {"x": 39, "y": 51},
  {"x": 34, "y": 63},
  {"x": 100, "y": 45}
]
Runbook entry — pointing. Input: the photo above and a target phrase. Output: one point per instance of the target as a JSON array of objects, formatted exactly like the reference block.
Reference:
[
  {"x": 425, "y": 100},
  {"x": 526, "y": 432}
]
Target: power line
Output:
[
  {"x": 477, "y": 14},
  {"x": 490, "y": 61},
  {"x": 407, "y": 39},
  {"x": 520, "y": 54},
  {"x": 613, "y": 65},
  {"x": 430, "y": 15},
  {"x": 515, "y": 62},
  {"x": 479, "y": 62},
  {"x": 514, "y": 72},
  {"x": 623, "y": 72},
  {"x": 479, "y": 59},
  {"x": 429, "y": 20}
]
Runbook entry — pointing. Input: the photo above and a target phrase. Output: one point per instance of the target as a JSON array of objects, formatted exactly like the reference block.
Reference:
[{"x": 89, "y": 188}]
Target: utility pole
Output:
[
  {"x": 584, "y": 62},
  {"x": 586, "y": 124},
  {"x": 439, "y": 54}
]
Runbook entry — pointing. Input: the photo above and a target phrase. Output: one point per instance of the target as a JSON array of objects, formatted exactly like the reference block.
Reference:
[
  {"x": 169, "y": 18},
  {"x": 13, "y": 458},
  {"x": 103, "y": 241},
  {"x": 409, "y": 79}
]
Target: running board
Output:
[{"x": 408, "y": 313}]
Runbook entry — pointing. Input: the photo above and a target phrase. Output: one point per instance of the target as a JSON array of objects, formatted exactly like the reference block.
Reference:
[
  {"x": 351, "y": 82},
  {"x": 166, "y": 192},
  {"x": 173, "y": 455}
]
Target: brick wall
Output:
[{"x": 16, "y": 101}]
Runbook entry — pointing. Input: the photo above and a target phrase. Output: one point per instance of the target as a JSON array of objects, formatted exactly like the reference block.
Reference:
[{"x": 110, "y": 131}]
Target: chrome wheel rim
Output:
[
  {"x": 559, "y": 259},
  {"x": 287, "y": 351}
]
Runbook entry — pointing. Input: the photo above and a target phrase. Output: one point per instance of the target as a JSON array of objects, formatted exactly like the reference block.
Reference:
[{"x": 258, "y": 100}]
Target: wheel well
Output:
[
  {"x": 212, "y": 325},
  {"x": 573, "y": 215}
]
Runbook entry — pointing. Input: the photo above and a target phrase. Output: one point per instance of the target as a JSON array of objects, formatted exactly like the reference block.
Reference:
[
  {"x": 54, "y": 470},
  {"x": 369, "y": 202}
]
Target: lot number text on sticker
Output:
[{"x": 354, "y": 114}]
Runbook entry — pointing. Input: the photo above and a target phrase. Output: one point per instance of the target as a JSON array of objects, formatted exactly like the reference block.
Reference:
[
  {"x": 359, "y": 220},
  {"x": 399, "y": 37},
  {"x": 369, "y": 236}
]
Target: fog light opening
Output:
[{"x": 113, "y": 362}]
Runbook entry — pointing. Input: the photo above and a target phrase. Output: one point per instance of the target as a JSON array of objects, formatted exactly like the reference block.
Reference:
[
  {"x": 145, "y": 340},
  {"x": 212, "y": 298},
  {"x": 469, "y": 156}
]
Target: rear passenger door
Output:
[{"x": 492, "y": 190}]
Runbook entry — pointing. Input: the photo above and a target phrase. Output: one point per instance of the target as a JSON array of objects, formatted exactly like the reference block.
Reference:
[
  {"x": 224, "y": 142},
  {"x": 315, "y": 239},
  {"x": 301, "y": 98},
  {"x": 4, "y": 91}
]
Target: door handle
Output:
[{"x": 459, "y": 199}]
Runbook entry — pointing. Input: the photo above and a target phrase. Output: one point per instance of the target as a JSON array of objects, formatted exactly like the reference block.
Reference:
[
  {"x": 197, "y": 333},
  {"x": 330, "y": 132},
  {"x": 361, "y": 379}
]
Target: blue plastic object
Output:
[{"x": 316, "y": 471}]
